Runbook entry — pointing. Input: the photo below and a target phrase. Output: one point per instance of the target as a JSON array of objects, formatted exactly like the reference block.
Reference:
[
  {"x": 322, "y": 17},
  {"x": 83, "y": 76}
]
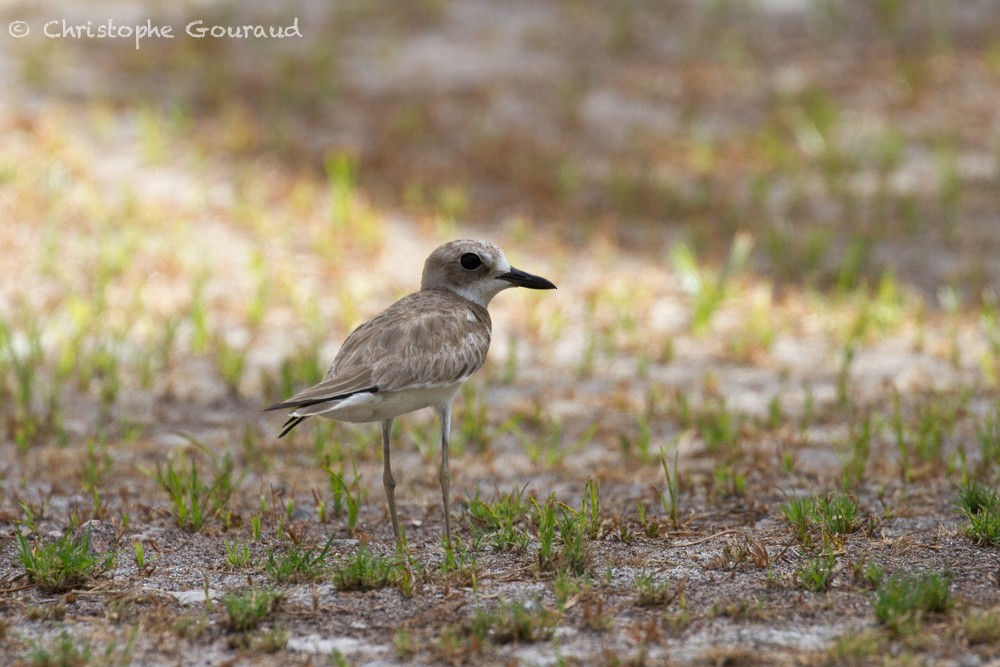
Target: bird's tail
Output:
[
  {"x": 290, "y": 424},
  {"x": 314, "y": 401}
]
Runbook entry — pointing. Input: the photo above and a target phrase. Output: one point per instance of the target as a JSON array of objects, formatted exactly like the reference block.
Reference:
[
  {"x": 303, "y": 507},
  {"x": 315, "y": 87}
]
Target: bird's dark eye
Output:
[{"x": 470, "y": 261}]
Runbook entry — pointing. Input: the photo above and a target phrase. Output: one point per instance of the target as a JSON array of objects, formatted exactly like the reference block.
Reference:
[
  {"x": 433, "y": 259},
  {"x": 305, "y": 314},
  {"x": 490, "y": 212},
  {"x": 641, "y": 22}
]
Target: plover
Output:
[{"x": 416, "y": 353}]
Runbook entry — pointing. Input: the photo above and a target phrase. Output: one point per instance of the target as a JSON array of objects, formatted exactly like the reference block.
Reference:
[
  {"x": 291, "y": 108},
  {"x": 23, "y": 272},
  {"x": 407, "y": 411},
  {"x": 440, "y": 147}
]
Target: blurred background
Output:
[{"x": 850, "y": 138}]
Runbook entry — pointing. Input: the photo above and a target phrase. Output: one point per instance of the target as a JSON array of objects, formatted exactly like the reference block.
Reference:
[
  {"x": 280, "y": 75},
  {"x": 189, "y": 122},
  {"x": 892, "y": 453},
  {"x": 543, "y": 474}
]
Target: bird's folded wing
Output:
[{"x": 424, "y": 340}]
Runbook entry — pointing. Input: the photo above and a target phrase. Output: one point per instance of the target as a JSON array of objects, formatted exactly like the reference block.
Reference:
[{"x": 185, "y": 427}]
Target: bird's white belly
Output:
[{"x": 379, "y": 406}]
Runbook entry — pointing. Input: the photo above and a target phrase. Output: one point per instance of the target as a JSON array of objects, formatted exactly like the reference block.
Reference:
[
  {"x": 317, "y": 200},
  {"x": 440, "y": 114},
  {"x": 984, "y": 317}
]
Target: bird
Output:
[{"x": 416, "y": 353}]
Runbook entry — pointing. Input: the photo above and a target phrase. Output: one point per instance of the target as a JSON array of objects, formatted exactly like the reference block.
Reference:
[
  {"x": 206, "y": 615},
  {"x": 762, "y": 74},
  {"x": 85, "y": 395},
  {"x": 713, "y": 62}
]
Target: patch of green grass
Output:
[
  {"x": 650, "y": 527},
  {"x": 453, "y": 646},
  {"x": 237, "y": 553},
  {"x": 921, "y": 440},
  {"x": 404, "y": 644},
  {"x": 981, "y": 506},
  {"x": 817, "y": 574},
  {"x": 231, "y": 361},
  {"x": 708, "y": 290},
  {"x": 97, "y": 464},
  {"x": 719, "y": 427},
  {"x": 844, "y": 376},
  {"x": 346, "y": 497},
  {"x": 198, "y": 314},
  {"x": 473, "y": 427},
  {"x": 640, "y": 446},
  {"x": 406, "y": 578},
  {"x": 298, "y": 564},
  {"x": 590, "y": 508},
  {"x": 860, "y": 442},
  {"x": 935, "y": 419},
  {"x": 868, "y": 575},
  {"x": 255, "y": 527},
  {"x": 798, "y": 512},
  {"x": 755, "y": 339},
  {"x": 669, "y": 499},
  {"x": 905, "y": 468},
  {"x": 975, "y": 497},
  {"x": 30, "y": 513},
  {"x": 742, "y": 609},
  {"x": 247, "y": 610},
  {"x": 566, "y": 586},
  {"x": 513, "y": 622},
  {"x": 193, "y": 501},
  {"x": 510, "y": 622},
  {"x": 62, "y": 564},
  {"x": 988, "y": 435},
  {"x": 650, "y": 593},
  {"x": 27, "y": 424},
  {"x": 856, "y": 648},
  {"x": 64, "y": 651},
  {"x": 365, "y": 571},
  {"x": 191, "y": 626},
  {"x": 573, "y": 554},
  {"x": 563, "y": 538},
  {"x": 460, "y": 565},
  {"x": 775, "y": 414},
  {"x": 67, "y": 651},
  {"x": 837, "y": 513},
  {"x": 902, "y": 600},
  {"x": 545, "y": 520},
  {"x": 821, "y": 517},
  {"x": 269, "y": 641},
  {"x": 501, "y": 519},
  {"x": 142, "y": 562},
  {"x": 981, "y": 627},
  {"x": 728, "y": 482},
  {"x": 984, "y": 527}
]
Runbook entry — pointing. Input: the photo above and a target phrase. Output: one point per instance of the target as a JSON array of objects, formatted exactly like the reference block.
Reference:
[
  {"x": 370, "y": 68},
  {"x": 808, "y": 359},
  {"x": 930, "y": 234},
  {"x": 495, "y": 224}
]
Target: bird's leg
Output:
[
  {"x": 387, "y": 480},
  {"x": 445, "y": 474}
]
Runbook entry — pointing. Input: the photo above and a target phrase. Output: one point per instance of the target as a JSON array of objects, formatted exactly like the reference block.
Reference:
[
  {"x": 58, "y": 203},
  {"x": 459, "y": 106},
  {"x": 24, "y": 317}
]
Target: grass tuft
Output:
[
  {"x": 822, "y": 517},
  {"x": 247, "y": 610},
  {"x": 817, "y": 574},
  {"x": 902, "y": 600},
  {"x": 514, "y": 622},
  {"x": 501, "y": 520},
  {"x": 365, "y": 571},
  {"x": 707, "y": 290},
  {"x": 650, "y": 593},
  {"x": 669, "y": 499},
  {"x": 193, "y": 501},
  {"x": 65, "y": 651},
  {"x": 63, "y": 564},
  {"x": 297, "y": 564},
  {"x": 981, "y": 506}
]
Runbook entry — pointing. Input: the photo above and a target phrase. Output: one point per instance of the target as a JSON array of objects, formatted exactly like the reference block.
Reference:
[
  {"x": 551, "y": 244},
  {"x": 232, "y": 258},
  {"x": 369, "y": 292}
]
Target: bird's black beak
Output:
[{"x": 519, "y": 278}]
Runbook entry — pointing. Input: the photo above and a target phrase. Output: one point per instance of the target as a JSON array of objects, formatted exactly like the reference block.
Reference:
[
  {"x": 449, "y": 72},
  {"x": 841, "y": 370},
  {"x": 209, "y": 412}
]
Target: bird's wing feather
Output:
[{"x": 428, "y": 338}]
